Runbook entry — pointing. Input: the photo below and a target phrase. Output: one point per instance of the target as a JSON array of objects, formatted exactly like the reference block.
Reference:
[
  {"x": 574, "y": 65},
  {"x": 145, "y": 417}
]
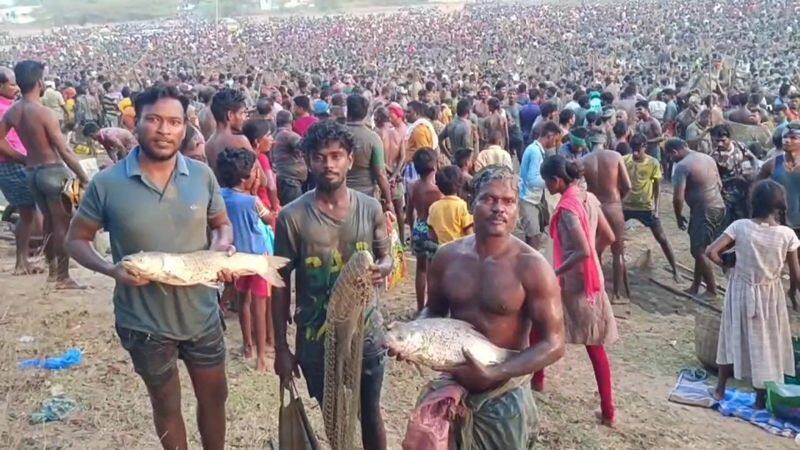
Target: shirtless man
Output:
[
  {"x": 394, "y": 154},
  {"x": 205, "y": 117},
  {"x": 495, "y": 122},
  {"x": 421, "y": 195},
  {"x": 607, "y": 178},
  {"x": 48, "y": 152},
  {"x": 228, "y": 107},
  {"x": 117, "y": 142},
  {"x": 523, "y": 293},
  {"x": 697, "y": 181}
]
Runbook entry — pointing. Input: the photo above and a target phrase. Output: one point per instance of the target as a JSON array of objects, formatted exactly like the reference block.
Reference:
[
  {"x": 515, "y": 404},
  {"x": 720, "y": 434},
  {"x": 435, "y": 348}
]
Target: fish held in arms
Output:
[
  {"x": 440, "y": 343},
  {"x": 202, "y": 267}
]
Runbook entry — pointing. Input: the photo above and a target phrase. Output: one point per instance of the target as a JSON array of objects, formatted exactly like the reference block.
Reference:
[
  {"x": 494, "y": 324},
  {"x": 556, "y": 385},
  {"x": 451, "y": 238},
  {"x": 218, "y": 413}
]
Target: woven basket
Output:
[{"x": 706, "y": 335}]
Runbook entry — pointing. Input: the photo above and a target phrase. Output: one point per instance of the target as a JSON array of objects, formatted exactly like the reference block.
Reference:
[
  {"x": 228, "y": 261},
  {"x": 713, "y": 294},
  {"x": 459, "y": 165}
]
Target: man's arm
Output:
[
  {"x": 381, "y": 247},
  {"x": 53, "y": 130},
  {"x": 377, "y": 168},
  {"x": 624, "y": 179},
  {"x": 221, "y": 232},
  {"x": 285, "y": 245},
  {"x": 543, "y": 307},
  {"x": 678, "y": 192},
  {"x": 656, "y": 195},
  {"x": 437, "y": 304},
  {"x": 764, "y": 173},
  {"x": 5, "y": 148}
]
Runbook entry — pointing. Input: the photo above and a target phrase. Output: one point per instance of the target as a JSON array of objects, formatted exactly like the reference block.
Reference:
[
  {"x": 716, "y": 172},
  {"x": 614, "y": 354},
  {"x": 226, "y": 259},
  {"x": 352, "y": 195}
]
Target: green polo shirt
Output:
[{"x": 140, "y": 218}]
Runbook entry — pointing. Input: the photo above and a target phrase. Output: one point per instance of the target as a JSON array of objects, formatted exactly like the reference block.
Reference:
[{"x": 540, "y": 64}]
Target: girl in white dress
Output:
[{"x": 755, "y": 340}]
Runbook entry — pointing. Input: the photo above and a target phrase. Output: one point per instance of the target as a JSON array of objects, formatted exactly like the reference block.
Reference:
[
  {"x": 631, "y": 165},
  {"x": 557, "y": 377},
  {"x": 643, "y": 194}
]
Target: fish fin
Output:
[
  {"x": 274, "y": 263},
  {"x": 211, "y": 285}
]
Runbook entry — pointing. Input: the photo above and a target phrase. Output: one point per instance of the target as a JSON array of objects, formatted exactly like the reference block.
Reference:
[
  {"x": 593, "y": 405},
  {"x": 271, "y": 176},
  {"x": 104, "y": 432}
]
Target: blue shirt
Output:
[
  {"x": 527, "y": 116},
  {"x": 139, "y": 217},
  {"x": 531, "y": 183},
  {"x": 248, "y": 236}
]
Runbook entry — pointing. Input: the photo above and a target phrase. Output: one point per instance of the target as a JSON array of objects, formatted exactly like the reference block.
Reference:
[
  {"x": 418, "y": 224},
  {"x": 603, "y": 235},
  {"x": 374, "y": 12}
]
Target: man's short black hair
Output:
[
  {"x": 324, "y": 133},
  {"x": 303, "y": 102},
  {"x": 638, "y": 141},
  {"x": 449, "y": 180},
  {"x": 234, "y": 165},
  {"x": 225, "y": 101},
  {"x": 263, "y": 106},
  {"x": 674, "y": 144},
  {"x": 462, "y": 156},
  {"x": 424, "y": 161},
  {"x": 357, "y": 107},
  {"x": 28, "y": 73},
  {"x": 463, "y": 107},
  {"x": 419, "y": 108},
  {"x": 254, "y": 129},
  {"x": 283, "y": 118},
  {"x": 155, "y": 93},
  {"x": 550, "y": 127},
  {"x": 620, "y": 129},
  {"x": 548, "y": 108},
  {"x": 644, "y": 104},
  {"x": 90, "y": 128},
  {"x": 565, "y": 116},
  {"x": 720, "y": 130},
  {"x": 205, "y": 94}
]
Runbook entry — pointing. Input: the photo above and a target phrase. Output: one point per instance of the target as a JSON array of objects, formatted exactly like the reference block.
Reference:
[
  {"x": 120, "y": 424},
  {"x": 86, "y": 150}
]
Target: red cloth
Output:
[
  {"x": 571, "y": 201},
  {"x": 302, "y": 125},
  {"x": 602, "y": 374},
  {"x": 429, "y": 424}
]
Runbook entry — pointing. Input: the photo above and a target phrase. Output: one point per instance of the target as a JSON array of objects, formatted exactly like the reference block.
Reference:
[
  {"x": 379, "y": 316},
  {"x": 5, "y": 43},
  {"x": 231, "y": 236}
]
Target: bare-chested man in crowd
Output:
[
  {"x": 696, "y": 180},
  {"x": 228, "y": 107},
  {"x": 502, "y": 287},
  {"x": 205, "y": 117},
  {"x": 48, "y": 152},
  {"x": 394, "y": 154},
  {"x": 495, "y": 122},
  {"x": 607, "y": 178}
]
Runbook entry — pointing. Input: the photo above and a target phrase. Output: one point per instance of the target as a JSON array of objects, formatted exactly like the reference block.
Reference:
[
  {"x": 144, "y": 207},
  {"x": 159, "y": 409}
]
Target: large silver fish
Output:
[
  {"x": 202, "y": 267},
  {"x": 439, "y": 343}
]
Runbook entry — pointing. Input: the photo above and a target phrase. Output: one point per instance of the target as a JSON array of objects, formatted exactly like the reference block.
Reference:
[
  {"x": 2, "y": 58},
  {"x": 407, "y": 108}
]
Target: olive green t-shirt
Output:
[
  {"x": 318, "y": 246},
  {"x": 140, "y": 219}
]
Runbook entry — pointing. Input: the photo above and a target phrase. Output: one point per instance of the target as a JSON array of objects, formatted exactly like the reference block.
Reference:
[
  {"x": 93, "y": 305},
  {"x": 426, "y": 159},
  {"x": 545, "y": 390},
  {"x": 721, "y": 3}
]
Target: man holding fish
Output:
[
  {"x": 156, "y": 200},
  {"x": 491, "y": 379}
]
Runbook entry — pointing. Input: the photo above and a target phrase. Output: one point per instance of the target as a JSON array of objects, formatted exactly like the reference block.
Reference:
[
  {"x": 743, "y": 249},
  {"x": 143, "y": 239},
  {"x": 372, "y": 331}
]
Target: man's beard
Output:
[
  {"x": 155, "y": 156},
  {"x": 327, "y": 186}
]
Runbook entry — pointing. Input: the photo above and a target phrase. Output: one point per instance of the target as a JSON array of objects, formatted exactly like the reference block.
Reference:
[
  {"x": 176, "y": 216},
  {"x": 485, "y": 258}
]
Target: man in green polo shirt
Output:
[{"x": 158, "y": 200}]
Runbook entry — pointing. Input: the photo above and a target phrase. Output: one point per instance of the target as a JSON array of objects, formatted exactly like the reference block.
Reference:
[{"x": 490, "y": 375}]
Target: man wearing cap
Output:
[
  {"x": 576, "y": 145},
  {"x": 322, "y": 110}
]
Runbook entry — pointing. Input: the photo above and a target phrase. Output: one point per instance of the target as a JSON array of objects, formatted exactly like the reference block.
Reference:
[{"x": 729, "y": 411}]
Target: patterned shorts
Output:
[{"x": 14, "y": 185}]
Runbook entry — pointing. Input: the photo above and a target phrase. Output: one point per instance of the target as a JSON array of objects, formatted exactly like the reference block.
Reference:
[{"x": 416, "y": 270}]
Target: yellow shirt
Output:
[
  {"x": 420, "y": 137},
  {"x": 494, "y": 155},
  {"x": 449, "y": 217}
]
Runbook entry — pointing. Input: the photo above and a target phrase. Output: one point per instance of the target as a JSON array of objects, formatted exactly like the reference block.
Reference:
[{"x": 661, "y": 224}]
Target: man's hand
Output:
[
  {"x": 379, "y": 272},
  {"x": 123, "y": 276},
  {"x": 286, "y": 365},
  {"x": 225, "y": 276},
  {"x": 473, "y": 375},
  {"x": 682, "y": 222}
]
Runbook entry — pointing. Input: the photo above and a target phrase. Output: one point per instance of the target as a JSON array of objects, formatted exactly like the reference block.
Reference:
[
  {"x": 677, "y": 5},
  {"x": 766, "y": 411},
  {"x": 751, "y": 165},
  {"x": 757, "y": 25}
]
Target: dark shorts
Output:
[
  {"x": 311, "y": 357},
  {"x": 705, "y": 225},
  {"x": 14, "y": 186},
  {"x": 155, "y": 357},
  {"x": 421, "y": 243},
  {"x": 48, "y": 183},
  {"x": 647, "y": 218}
]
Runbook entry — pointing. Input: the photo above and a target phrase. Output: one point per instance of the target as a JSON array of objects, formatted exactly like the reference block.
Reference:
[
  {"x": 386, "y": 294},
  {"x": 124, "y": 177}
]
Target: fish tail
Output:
[{"x": 274, "y": 263}]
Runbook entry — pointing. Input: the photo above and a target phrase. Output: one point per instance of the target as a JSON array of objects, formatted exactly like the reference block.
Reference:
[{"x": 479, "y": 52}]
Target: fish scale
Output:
[{"x": 344, "y": 347}]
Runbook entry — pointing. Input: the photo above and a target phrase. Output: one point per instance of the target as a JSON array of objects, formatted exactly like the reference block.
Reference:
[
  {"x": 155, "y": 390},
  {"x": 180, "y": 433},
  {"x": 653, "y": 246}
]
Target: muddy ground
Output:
[{"x": 657, "y": 340}]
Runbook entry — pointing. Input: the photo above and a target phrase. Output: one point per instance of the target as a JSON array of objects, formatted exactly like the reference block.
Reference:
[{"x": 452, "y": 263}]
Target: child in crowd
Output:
[
  {"x": 449, "y": 218},
  {"x": 422, "y": 194},
  {"x": 755, "y": 340},
  {"x": 237, "y": 174},
  {"x": 258, "y": 133}
]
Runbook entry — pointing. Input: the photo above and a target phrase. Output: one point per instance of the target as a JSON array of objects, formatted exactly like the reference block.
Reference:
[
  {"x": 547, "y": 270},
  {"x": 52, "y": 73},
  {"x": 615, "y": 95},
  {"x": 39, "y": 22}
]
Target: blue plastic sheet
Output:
[{"x": 70, "y": 358}]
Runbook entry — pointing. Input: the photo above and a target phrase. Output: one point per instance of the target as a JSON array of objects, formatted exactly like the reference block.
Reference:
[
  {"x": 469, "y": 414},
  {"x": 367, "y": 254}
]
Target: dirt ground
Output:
[{"x": 657, "y": 340}]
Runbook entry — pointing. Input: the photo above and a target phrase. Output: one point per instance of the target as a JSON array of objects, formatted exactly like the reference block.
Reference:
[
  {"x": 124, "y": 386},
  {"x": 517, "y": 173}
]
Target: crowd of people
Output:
[{"x": 493, "y": 134}]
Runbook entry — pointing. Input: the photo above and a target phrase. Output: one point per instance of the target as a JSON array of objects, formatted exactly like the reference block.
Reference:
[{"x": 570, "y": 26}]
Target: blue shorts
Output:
[{"x": 14, "y": 186}]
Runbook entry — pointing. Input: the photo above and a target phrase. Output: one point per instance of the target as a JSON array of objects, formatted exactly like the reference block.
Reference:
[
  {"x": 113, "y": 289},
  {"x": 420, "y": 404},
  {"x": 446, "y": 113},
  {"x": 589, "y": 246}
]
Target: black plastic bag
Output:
[{"x": 294, "y": 429}]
